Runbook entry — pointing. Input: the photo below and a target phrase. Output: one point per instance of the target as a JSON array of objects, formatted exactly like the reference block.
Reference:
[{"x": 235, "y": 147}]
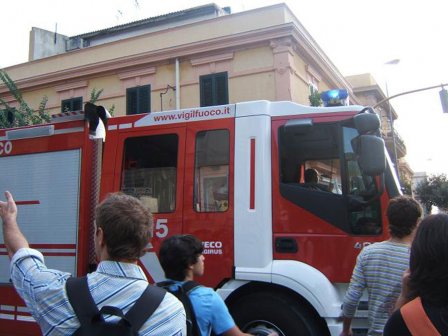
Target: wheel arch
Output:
[
  {"x": 259, "y": 287},
  {"x": 253, "y": 287},
  {"x": 298, "y": 281},
  {"x": 303, "y": 280}
]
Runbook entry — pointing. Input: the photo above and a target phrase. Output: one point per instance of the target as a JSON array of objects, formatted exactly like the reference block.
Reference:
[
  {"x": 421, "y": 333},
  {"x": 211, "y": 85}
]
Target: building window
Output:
[
  {"x": 211, "y": 189},
  {"x": 138, "y": 99},
  {"x": 72, "y": 104},
  {"x": 214, "y": 89},
  {"x": 314, "y": 79}
]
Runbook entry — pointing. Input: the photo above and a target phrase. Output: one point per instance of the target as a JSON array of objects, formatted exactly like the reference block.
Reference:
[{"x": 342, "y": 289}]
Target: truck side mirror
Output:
[
  {"x": 366, "y": 122},
  {"x": 371, "y": 155}
]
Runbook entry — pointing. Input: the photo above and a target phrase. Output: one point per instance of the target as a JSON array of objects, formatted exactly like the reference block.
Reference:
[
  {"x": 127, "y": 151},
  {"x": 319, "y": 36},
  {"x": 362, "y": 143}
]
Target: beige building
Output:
[{"x": 196, "y": 57}]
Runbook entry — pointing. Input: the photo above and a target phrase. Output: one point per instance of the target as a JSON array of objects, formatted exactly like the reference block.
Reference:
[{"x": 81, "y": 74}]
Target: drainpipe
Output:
[{"x": 177, "y": 85}]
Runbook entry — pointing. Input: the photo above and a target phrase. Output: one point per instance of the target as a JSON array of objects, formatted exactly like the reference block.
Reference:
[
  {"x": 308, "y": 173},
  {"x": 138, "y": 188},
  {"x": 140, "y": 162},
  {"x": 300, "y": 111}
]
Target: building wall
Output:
[
  {"x": 266, "y": 52},
  {"x": 44, "y": 43}
]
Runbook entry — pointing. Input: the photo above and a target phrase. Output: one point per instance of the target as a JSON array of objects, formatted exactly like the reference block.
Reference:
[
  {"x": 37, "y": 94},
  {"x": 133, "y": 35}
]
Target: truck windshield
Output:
[
  {"x": 359, "y": 187},
  {"x": 318, "y": 166}
]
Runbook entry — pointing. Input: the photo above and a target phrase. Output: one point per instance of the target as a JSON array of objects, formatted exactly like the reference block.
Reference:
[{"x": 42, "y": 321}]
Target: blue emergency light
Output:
[{"x": 337, "y": 97}]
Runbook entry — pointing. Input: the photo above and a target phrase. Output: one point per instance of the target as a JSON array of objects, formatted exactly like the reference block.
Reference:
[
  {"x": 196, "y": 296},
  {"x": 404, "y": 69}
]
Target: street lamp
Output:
[
  {"x": 391, "y": 121},
  {"x": 444, "y": 99},
  {"x": 393, "y": 62}
]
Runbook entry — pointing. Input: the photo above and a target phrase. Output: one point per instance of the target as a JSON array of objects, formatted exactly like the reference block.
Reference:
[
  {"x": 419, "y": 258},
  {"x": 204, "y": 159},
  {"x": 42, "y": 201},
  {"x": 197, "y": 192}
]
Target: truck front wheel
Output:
[{"x": 257, "y": 312}]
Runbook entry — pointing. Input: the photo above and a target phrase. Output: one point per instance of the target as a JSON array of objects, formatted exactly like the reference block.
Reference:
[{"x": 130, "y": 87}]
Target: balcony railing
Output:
[{"x": 400, "y": 146}]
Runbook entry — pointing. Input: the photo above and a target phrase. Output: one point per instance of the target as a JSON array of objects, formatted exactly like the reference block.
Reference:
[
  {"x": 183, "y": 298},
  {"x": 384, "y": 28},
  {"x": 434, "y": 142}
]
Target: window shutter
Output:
[
  {"x": 131, "y": 101},
  {"x": 65, "y": 106},
  {"x": 138, "y": 99},
  {"x": 214, "y": 89},
  {"x": 72, "y": 104},
  {"x": 206, "y": 91},
  {"x": 144, "y": 105},
  {"x": 77, "y": 104},
  {"x": 221, "y": 91}
]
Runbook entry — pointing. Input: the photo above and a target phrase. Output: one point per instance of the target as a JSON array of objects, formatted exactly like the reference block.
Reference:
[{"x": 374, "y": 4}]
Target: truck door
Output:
[
  {"x": 323, "y": 222},
  {"x": 208, "y": 194},
  {"x": 151, "y": 168}
]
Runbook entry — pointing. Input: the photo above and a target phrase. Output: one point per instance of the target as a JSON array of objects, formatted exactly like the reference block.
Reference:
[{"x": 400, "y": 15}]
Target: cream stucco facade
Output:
[{"x": 266, "y": 53}]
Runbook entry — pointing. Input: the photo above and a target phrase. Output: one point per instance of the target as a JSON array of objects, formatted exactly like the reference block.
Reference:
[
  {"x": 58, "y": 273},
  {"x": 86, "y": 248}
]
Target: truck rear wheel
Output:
[{"x": 256, "y": 312}]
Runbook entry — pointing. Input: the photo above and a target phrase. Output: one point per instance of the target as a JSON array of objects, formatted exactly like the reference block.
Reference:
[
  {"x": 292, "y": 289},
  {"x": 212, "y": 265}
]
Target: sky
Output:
[{"x": 358, "y": 36}]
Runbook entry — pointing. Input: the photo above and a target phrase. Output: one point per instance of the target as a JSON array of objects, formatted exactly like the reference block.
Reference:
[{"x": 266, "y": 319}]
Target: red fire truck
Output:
[{"x": 278, "y": 249}]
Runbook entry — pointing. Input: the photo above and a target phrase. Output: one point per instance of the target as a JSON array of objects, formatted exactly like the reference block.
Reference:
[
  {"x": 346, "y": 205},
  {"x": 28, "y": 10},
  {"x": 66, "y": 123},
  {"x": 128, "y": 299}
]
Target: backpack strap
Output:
[
  {"x": 417, "y": 320},
  {"x": 86, "y": 310},
  {"x": 145, "y": 306},
  {"x": 187, "y": 287},
  {"x": 81, "y": 300},
  {"x": 165, "y": 284}
]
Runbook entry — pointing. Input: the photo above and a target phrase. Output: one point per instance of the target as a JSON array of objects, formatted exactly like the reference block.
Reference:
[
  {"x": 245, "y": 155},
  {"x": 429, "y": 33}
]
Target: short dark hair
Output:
[
  {"x": 429, "y": 261},
  {"x": 177, "y": 253},
  {"x": 403, "y": 214},
  {"x": 127, "y": 226},
  {"x": 311, "y": 175}
]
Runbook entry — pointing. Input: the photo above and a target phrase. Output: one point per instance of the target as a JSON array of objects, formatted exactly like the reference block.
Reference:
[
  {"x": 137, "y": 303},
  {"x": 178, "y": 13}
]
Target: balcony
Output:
[{"x": 399, "y": 144}]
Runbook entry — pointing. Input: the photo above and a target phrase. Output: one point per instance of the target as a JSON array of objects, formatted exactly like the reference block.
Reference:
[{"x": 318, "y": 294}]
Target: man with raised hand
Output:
[{"x": 122, "y": 231}]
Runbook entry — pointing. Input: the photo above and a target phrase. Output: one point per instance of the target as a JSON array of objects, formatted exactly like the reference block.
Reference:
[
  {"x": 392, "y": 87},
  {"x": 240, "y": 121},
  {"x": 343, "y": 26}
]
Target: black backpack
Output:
[
  {"x": 182, "y": 293},
  {"x": 92, "y": 320}
]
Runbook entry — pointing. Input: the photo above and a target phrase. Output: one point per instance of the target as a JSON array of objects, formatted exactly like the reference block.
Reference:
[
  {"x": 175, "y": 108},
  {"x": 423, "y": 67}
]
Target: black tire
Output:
[{"x": 275, "y": 311}]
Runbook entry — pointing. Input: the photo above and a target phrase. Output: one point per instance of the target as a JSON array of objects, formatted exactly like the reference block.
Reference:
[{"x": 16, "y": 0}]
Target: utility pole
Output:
[
  {"x": 392, "y": 132},
  {"x": 391, "y": 123}
]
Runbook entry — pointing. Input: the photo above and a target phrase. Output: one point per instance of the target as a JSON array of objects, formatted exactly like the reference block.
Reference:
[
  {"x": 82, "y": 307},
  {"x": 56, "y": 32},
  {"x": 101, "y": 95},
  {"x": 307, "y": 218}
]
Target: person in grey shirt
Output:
[{"x": 380, "y": 266}]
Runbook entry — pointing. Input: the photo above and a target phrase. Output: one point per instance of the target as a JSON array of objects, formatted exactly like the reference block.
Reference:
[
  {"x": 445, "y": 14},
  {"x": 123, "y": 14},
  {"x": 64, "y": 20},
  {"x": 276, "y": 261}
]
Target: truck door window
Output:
[
  {"x": 318, "y": 166},
  {"x": 316, "y": 151},
  {"x": 364, "y": 220},
  {"x": 149, "y": 171},
  {"x": 327, "y": 173},
  {"x": 211, "y": 180}
]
